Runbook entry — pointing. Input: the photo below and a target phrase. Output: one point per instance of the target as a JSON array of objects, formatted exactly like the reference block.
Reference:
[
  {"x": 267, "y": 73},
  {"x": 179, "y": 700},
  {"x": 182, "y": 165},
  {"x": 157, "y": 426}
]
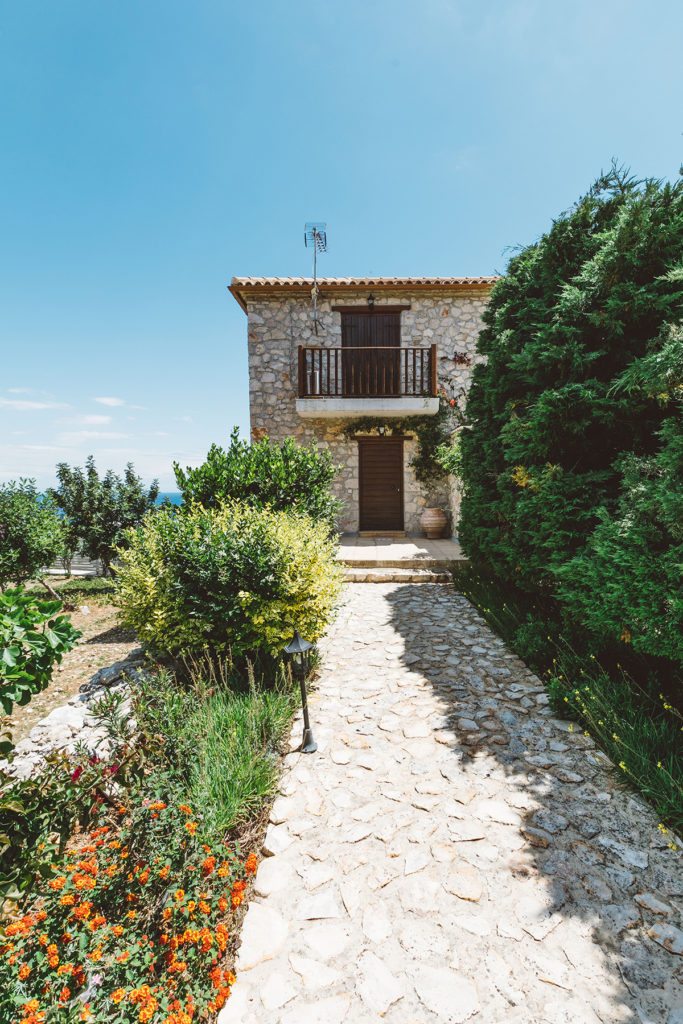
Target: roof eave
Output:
[{"x": 243, "y": 290}]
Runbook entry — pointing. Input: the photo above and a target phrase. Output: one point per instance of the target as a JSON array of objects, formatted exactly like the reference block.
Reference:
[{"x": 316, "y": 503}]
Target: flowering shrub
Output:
[
  {"x": 130, "y": 926},
  {"x": 233, "y": 579}
]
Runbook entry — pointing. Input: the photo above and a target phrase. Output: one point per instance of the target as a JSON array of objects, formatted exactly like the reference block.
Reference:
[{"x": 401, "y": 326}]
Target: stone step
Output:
[
  {"x": 375, "y": 574},
  {"x": 398, "y": 563}
]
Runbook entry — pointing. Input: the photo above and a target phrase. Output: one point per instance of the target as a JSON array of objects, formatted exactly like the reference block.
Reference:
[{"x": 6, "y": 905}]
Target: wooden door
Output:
[
  {"x": 380, "y": 478},
  {"x": 370, "y": 373}
]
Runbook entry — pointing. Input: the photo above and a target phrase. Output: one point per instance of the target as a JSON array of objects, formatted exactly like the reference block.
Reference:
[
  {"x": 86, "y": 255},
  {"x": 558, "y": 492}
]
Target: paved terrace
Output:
[{"x": 453, "y": 852}]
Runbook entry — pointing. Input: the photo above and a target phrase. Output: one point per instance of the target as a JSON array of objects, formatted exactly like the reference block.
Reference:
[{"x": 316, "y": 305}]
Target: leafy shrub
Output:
[
  {"x": 571, "y": 472},
  {"x": 30, "y": 532},
  {"x": 38, "y": 815},
  {"x": 98, "y": 511},
  {"x": 286, "y": 476},
  {"x": 85, "y": 586},
  {"x": 33, "y": 639},
  {"x": 232, "y": 579}
]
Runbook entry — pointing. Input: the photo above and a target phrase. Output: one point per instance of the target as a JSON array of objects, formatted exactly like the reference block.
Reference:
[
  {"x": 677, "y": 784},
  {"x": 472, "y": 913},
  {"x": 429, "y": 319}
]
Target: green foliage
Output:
[
  {"x": 30, "y": 532},
  {"x": 572, "y": 468},
  {"x": 33, "y": 639},
  {"x": 285, "y": 476},
  {"x": 98, "y": 511},
  {"x": 229, "y": 579}
]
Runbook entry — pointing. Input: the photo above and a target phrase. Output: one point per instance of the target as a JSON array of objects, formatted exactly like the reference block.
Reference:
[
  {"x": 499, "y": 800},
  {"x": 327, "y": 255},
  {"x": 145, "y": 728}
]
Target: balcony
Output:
[{"x": 376, "y": 381}]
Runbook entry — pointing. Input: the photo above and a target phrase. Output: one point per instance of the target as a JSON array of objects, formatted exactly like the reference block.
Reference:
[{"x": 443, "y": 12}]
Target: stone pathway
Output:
[{"x": 453, "y": 852}]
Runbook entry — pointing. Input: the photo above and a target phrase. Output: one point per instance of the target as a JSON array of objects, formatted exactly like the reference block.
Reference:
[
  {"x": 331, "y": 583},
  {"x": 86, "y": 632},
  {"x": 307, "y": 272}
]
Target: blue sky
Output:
[{"x": 152, "y": 150}]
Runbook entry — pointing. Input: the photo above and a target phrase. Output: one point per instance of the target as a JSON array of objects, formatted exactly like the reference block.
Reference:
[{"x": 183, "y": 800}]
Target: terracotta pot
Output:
[{"x": 434, "y": 522}]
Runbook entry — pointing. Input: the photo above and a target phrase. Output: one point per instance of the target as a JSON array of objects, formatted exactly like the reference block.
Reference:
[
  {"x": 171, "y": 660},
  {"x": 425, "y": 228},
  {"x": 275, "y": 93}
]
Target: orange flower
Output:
[
  {"x": 118, "y": 995},
  {"x": 123, "y": 957},
  {"x": 82, "y": 911},
  {"x": 166, "y": 913},
  {"x": 185, "y": 808},
  {"x": 117, "y": 930},
  {"x": 57, "y": 883},
  {"x": 132, "y": 914},
  {"x": 179, "y": 895},
  {"x": 224, "y": 870},
  {"x": 222, "y": 904},
  {"x": 191, "y": 906},
  {"x": 65, "y": 969},
  {"x": 204, "y": 907},
  {"x": 208, "y": 865},
  {"x": 86, "y": 1012},
  {"x": 43, "y": 940},
  {"x": 65, "y": 994},
  {"x": 165, "y": 871},
  {"x": 24, "y": 972},
  {"x": 96, "y": 954},
  {"x": 191, "y": 827},
  {"x": 68, "y": 900},
  {"x": 251, "y": 863},
  {"x": 31, "y": 1006}
]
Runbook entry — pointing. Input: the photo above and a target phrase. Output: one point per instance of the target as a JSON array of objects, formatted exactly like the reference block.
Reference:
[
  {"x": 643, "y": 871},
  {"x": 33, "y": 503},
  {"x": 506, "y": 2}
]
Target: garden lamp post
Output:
[{"x": 298, "y": 649}]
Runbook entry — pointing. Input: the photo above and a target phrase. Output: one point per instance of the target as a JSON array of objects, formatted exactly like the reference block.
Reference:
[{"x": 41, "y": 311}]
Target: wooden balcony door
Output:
[
  {"x": 371, "y": 373},
  {"x": 380, "y": 478}
]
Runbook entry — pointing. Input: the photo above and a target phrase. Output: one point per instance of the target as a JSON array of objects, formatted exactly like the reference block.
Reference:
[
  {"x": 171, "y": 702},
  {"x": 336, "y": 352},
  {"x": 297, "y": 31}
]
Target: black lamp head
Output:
[{"x": 297, "y": 645}]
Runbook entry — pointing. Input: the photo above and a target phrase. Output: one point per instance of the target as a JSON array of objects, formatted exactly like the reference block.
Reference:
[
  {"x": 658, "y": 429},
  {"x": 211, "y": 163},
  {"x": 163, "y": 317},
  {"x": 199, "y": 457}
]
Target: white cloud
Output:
[
  {"x": 110, "y": 401},
  {"x": 94, "y": 420},
  {"x": 75, "y": 436},
  {"x": 19, "y": 391},
  {"x": 28, "y": 405}
]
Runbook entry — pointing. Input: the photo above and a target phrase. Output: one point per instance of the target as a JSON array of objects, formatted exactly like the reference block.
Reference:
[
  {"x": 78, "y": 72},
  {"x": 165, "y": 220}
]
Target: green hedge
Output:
[{"x": 573, "y": 468}]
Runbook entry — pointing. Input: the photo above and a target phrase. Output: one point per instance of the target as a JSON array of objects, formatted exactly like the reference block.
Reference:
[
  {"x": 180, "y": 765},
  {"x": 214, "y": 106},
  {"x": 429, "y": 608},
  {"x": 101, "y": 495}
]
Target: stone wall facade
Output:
[{"x": 279, "y": 324}]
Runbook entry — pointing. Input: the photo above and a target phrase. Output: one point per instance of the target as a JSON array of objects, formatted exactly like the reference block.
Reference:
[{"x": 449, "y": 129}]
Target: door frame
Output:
[{"x": 399, "y": 440}]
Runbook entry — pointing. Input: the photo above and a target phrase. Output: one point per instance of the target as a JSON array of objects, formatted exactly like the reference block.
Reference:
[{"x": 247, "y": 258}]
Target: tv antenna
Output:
[{"x": 315, "y": 237}]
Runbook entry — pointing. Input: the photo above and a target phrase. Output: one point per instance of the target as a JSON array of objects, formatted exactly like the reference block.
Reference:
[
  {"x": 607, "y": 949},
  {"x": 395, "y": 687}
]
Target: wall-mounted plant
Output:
[{"x": 432, "y": 434}]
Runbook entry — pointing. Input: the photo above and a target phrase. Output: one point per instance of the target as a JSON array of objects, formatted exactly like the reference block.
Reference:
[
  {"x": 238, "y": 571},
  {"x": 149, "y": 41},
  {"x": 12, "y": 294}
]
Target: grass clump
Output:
[{"x": 222, "y": 743}]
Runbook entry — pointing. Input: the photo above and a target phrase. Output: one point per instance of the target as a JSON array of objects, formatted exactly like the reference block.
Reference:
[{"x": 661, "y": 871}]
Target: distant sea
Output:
[{"x": 175, "y": 497}]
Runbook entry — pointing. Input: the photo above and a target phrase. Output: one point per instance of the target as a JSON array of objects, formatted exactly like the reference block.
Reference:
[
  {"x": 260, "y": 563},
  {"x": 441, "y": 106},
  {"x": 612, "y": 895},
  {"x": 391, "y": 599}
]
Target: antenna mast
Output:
[{"x": 315, "y": 237}]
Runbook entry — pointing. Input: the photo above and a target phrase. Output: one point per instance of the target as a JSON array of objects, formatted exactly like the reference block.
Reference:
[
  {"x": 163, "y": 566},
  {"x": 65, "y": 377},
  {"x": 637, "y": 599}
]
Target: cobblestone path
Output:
[{"x": 453, "y": 852}]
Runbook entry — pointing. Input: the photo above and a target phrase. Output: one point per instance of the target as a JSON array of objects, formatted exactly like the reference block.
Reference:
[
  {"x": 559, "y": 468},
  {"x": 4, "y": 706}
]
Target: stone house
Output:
[{"x": 354, "y": 370}]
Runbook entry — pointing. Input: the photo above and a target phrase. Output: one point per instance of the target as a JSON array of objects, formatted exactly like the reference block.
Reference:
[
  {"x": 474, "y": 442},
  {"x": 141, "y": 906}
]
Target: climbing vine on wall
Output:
[{"x": 433, "y": 434}]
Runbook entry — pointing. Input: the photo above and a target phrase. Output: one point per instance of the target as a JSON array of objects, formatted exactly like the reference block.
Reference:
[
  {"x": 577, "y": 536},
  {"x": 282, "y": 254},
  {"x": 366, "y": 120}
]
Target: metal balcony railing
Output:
[{"x": 377, "y": 372}]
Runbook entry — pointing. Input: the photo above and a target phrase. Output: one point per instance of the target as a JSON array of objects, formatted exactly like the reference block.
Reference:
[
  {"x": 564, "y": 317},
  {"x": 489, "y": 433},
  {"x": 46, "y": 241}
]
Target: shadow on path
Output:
[{"x": 569, "y": 859}]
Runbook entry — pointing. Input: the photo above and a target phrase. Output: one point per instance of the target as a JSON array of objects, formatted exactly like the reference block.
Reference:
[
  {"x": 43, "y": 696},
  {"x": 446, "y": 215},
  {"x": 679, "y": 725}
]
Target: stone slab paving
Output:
[
  {"x": 394, "y": 550},
  {"x": 453, "y": 852}
]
